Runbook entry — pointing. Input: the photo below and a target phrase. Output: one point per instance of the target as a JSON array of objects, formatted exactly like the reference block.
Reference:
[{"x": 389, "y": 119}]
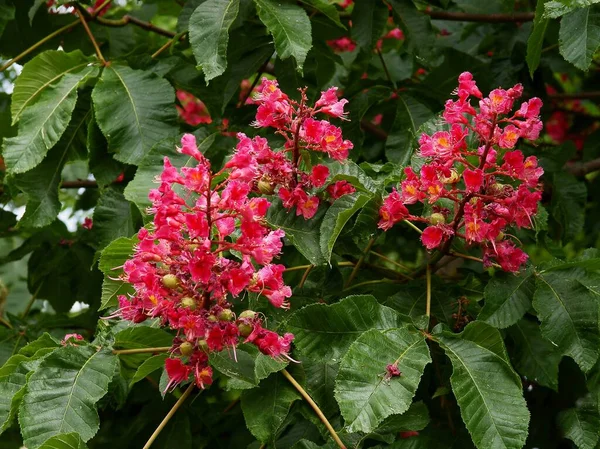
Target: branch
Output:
[
  {"x": 484, "y": 18},
  {"x": 315, "y": 407},
  {"x": 583, "y": 168},
  {"x": 81, "y": 183},
  {"x": 576, "y": 96},
  {"x": 127, "y": 19}
]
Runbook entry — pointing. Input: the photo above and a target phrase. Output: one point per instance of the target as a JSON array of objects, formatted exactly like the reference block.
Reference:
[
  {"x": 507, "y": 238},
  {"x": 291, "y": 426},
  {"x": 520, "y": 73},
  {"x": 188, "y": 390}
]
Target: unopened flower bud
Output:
[
  {"x": 500, "y": 236},
  {"x": 436, "y": 219},
  {"x": 188, "y": 303},
  {"x": 245, "y": 329},
  {"x": 203, "y": 345},
  {"x": 265, "y": 187},
  {"x": 186, "y": 348},
  {"x": 212, "y": 318},
  {"x": 452, "y": 179},
  {"x": 496, "y": 188},
  {"x": 226, "y": 315},
  {"x": 170, "y": 281},
  {"x": 247, "y": 314}
]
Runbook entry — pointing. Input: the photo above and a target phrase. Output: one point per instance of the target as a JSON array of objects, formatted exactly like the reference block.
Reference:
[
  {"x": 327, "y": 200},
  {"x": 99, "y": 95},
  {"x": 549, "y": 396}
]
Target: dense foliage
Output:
[{"x": 299, "y": 225}]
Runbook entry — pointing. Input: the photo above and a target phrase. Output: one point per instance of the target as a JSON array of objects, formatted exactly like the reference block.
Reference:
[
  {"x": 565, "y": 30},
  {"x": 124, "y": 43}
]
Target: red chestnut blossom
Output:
[
  {"x": 285, "y": 172},
  {"x": 192, "y": 110},
  {"x": 491, "y": 188},
  {"x": 340, "y": 188},
  {"x": 341, "y": 45},
  {"x": 207, "y": 245}
]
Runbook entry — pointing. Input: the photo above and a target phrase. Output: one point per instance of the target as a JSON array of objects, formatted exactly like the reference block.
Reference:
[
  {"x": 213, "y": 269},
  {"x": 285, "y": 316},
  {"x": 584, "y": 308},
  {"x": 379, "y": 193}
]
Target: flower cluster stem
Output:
[
  {"x": 315, "y": 407},
  {"x": 169, "y": 415}
]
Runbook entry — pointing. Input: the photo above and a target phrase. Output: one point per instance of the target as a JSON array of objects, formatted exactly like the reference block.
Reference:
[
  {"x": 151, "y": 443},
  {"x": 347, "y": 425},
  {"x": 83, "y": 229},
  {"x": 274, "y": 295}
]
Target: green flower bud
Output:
[
  {"x": 226, "y": 315},
  {"x": 170, "y": 281},
  {"x": 436, "y": 219},
  {"x": 203, "y": 345},
  {"x": 247, "y": 314},
  {"x": 188, "y": 303},
  {"x": 245, "y": 329},
  {"x": 186, "y": 348}
]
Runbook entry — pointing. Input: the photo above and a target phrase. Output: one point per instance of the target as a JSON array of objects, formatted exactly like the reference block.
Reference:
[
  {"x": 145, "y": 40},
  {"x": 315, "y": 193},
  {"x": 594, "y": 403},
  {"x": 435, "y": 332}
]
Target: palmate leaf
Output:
[
  {"x": 581, "y": 423},
  {"x": 536, "y": 38},
  {"x": 327, "y": 331},
  {"x": 507, "y": 298},
  {"x": 41, "y": 183},
  {"x": 13, "y": 376},
  {"x": 209, "y": 34},
  {"x": 579, "y": 36},
  {"x": 336, "y": 218},
  {"x": 488, "y": 391},
  {"x": 266, "y": 407},
  {"x": 111, "y": 263},
  {"x": 40, "y": 74},
  {"x": 557, "y": 8},
  {"x": 290, "y": 27},
  {"x": 304, "y": 234},
  {"x": 43, "y": 123},
  {"x": 365, "y": 396},
  {"x": 62, "y": 393},
  {"x": 568, "y": 310},
  {"x": 65, "y": 441},
  {"x": 135, "y": 109},
  {"x": 534, "y": 357}
]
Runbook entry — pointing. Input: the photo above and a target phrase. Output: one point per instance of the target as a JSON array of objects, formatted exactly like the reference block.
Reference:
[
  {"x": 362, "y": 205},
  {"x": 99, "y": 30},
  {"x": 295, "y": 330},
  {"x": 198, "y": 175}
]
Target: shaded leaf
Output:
[
  {"x": 114, "y": 217},
  {"x": 111, "y": 262},
  {"x": 536, "y": 38},
  {"x": 568, "y": 310},
  {"x": 266, "y": 406},
  {"x": 368, "y": 22},
  {"x": 581, "y": 424},
  {"x": 507, "y": 298}
]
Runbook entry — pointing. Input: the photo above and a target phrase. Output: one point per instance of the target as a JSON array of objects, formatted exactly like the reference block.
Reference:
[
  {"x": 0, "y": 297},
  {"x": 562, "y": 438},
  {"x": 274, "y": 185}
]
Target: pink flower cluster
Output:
[
  {"x": 192, "y": 110},
  {"x": 286, "y": 172},
  {"x": 486, "y": 187},
  {"x": 208, "y": 243}
]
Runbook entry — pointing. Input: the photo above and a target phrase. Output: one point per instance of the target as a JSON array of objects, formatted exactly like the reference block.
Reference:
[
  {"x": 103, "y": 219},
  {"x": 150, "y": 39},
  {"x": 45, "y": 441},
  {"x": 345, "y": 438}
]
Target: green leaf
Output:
[
  {"x": 327, "y": 331},
  {"x": 415, "y": 418},
  {"x": 533, "y": 356},
  {"x": 42, "y": 125},
  {"x": 402, "y": 138},
  {"x": 209, "y": 34},
  {"x": 327, "y": 9},
  {"x": 320, "y": 382},
  {"x": 111, "y": 262},
  {"x": 7, "y": 13},
  {"x": 102, "y": 165},
  {"x": 248, "y": 370},
  {"x": 13, "y": 376},
  {"x": 349, "y": 171},
  {"x": 114, "y": 217},
  {"x": 568, "y": 310},
  {"x": 134, "y": 109},
  {"x": 507, "y": 298},
  {"x": 41, "y": 183},
  {"x": 266, "y": 407},
  {"x": 303, "y": 234},
  {"x": 186, "y": 12},
  {"x": 569, "y": 196},
  {"x": 65, "y": 441},
  {"x": 152, "y": 166},
  {"x": 557, "y": 8},
  {"x": 581, "y": 424},
  {"x": 290, "y": 27},
  {"x": 416, "y": 26},
  {"x": 536, "y": 38},
  {"x": 336, "y": 218},
  {"x": 62, "y": 394},
  {"x": 488, "y": 391},
  {"x": 149, "y": 365},
  {"x": 368, "y": 22},
  {"x": 579, "y": 36},
  {"x": 40, "y": 74},
  {"x": 365, "y": 396}
]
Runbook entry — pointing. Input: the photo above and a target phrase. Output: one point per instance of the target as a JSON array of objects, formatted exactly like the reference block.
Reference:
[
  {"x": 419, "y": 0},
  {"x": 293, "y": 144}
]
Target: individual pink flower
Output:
[
  {"x": 339, "y": 189},
  {"x": 392, "y": 211},
  {"x": 473, "y": 180},
  {"x": 177, "y": 372}
]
